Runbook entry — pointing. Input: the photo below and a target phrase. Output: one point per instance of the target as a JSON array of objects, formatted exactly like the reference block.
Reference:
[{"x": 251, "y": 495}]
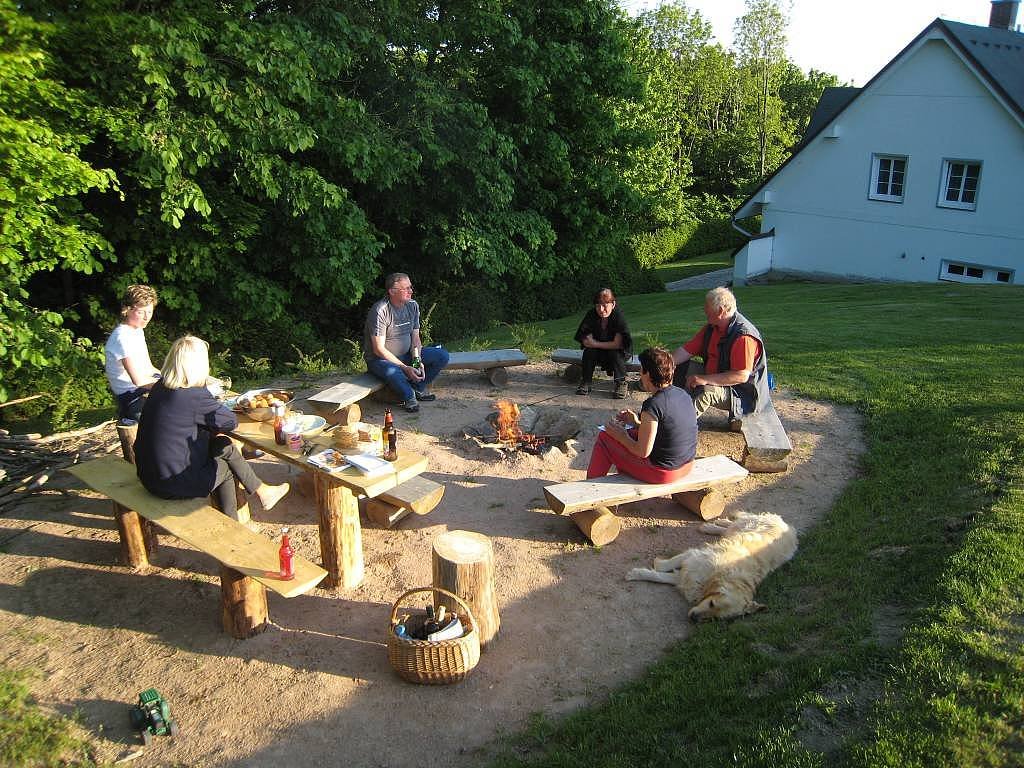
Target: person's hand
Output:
[
  {"x": 413, "y": 375},
  {"x": 616, "y": 426},
  {"x": 628, "y": 418},
  {"x": 588, "y": 341},
  {"x": 693, "y": 381}
]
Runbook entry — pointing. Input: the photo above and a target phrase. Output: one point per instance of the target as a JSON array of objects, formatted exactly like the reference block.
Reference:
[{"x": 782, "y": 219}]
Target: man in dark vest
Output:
[{"x": 734, "y": 372}]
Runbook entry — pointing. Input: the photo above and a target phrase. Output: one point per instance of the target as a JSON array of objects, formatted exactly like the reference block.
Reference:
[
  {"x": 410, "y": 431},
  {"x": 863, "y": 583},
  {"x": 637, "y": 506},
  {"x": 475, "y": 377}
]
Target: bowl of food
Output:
[{"x": 258, "y": 403}]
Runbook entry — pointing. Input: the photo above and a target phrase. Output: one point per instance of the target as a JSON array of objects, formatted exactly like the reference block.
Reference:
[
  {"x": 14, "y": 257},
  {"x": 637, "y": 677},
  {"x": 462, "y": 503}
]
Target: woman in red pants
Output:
[{"x": 659, "y": 445}]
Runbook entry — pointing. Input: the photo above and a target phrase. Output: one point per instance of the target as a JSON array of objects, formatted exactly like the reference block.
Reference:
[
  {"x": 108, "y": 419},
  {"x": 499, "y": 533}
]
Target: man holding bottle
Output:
[{"x": 391, "y": 344}]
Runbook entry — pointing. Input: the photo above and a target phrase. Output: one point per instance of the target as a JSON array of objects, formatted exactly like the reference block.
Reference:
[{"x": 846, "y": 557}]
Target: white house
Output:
[{"x": 917, "y": 176}]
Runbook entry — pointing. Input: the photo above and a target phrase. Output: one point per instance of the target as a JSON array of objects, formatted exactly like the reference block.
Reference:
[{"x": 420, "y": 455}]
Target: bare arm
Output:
[
  {"x": 643, "y": 444},
  {"x": 141, "y": 372},
  {"x": 724, "y": 379},
  {"x": 680, "y": 356}
]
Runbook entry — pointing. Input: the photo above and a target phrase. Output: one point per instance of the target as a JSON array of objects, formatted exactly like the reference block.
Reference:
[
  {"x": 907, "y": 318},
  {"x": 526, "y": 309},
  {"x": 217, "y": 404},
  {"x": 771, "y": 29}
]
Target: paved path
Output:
[{"x": 707, "y": 281}]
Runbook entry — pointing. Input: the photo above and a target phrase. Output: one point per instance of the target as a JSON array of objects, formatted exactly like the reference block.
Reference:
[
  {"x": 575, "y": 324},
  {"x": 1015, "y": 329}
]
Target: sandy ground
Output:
[{"x": 316, "y": 688}]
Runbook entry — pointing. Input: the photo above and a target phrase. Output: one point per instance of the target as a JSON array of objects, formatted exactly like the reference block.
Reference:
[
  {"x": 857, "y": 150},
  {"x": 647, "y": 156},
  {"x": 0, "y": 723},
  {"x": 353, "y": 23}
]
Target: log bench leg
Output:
[
  {"x": 706, "y": 502},
  {"x": 758, "y": 464},
  {"x": 341, "y": 540},
  {"x": 133, "y": 529},
  {"x": 599, "y": 524},
  {"x": 498, "y": 376},
  {"x": 243, "y": 604},
  {"x": 385, "y": 515},
  {"x": 573, "y": 373}
]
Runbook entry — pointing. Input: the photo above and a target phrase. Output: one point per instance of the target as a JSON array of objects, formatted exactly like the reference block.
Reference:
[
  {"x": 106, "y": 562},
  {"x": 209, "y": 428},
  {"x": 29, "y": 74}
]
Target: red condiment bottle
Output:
[
  {"x": 279, "y": 425},
  {"x": 284, "y": 556}
]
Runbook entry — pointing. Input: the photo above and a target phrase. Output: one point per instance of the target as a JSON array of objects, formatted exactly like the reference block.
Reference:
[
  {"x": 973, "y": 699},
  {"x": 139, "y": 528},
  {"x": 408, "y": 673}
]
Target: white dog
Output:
[{"x": 719, "y": 578}]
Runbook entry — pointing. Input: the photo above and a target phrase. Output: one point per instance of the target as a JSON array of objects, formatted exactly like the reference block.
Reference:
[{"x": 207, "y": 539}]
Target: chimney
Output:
[{"x": 1004, "y": 14}]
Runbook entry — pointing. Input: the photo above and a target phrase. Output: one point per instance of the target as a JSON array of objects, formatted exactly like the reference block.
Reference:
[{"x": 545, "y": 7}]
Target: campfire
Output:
[
  {"x": 512, "y": 429},
  {"x": 510, "y": 432}
]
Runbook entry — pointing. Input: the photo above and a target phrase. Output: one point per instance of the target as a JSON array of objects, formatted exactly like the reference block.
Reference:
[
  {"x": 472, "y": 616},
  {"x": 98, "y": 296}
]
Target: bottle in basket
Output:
[{"x": 284, "y": 556}]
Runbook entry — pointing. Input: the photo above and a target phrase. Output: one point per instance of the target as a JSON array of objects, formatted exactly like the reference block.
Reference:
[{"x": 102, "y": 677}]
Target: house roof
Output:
[{"x": 996, "y": 54}]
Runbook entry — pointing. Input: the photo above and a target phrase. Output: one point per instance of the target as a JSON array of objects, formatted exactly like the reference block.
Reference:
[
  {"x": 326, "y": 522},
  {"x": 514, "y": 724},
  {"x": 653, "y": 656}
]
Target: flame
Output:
[{"x": 507, "y": 423}]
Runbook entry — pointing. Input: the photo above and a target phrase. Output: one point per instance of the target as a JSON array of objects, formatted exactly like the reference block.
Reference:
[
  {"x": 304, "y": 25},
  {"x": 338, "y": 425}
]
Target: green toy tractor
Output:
[{"x": 152, "y": 716}]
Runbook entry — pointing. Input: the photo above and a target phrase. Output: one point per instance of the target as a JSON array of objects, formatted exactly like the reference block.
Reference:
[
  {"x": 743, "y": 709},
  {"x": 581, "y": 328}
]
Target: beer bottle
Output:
[
  {"x": 390, "y": 437},
  {"x": 284, "y": 556},
  {"x": 416, "y": 363}
]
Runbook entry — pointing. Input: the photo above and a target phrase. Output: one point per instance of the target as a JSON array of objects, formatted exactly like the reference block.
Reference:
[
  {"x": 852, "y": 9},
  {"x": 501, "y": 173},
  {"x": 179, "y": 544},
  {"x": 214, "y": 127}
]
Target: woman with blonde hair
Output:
[{"x": 180, "y": 452}]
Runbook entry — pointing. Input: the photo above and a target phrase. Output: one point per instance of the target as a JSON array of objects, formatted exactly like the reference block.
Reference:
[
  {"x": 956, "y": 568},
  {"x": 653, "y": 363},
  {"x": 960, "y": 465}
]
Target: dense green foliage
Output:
[
  {"x": 264, "y": 165},
  {"x": 894, "y": 636}
]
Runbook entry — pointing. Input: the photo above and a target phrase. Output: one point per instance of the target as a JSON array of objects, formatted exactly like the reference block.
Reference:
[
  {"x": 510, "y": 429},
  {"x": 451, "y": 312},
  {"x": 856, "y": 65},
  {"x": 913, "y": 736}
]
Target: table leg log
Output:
[
  {"x": 498, "y": 376},
  {"x": 463, "y": 563},
  {"x": 135, "y": 548},
  {"x": 341, "y": 541},
  {"x": 243, "y": 604},
  {"x": 599, "y": 525},
  {"x": 706, "y": 502}
]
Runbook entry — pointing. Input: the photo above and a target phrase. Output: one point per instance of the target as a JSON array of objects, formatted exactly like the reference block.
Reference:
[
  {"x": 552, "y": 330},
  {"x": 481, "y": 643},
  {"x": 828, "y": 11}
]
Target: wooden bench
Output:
[
  {"x": 574, "y": 357},
  {"x": 493, "y": 362},
  {"x": 249, "y": 561},
  {"x": 768, "y": 445},
  {"x": 587, "y": 501},
  {"x": 417, "y": 495},
  {"x": 347, "y": 392}
]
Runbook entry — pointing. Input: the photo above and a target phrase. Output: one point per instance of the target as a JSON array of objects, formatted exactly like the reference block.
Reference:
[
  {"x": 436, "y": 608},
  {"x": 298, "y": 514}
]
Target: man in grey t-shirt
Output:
[{"x": 391, "y": 339}]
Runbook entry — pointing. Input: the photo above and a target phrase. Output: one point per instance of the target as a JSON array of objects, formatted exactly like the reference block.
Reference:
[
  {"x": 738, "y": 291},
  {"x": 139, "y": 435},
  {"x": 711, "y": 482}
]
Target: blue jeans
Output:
[{"x": 434, "y": 360}]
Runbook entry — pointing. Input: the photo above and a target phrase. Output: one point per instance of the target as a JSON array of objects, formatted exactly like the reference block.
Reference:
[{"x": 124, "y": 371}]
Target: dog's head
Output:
[{"x": 722, "y": 601}]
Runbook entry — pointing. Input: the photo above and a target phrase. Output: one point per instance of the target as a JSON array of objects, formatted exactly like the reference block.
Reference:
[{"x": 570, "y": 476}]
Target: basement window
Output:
[{"x": 956, "y": 271}]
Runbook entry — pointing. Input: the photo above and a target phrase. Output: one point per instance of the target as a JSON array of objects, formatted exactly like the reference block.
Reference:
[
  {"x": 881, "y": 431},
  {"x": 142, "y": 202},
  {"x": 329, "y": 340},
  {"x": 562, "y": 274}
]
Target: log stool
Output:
[{"x": 463, "y": 563}]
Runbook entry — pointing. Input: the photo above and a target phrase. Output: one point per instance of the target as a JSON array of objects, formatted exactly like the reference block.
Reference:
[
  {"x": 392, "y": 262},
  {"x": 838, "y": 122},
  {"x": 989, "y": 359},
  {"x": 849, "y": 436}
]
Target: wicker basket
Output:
[{"x": 435, "y": 662}]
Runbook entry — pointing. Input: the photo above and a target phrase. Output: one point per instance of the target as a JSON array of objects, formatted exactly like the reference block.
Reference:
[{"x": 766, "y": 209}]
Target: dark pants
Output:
[
  {"x": 129, "y": 404},
  {"x": 613, "y": 361},
  {"x": 231, "y": 466}
]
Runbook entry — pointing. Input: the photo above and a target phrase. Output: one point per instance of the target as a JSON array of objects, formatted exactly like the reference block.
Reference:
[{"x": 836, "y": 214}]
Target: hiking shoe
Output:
[
  {"x": 583, "y": 389},
  {"x": 735, "y": 425},
  {"x": 426, "y": 397},
  {"x": 621, "y": 390},
  {"x": 411, "y": 406}
]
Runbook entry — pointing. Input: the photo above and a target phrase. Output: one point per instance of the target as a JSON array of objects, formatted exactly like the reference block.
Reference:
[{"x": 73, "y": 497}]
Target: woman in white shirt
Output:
[{"x": 126, "y": 357}]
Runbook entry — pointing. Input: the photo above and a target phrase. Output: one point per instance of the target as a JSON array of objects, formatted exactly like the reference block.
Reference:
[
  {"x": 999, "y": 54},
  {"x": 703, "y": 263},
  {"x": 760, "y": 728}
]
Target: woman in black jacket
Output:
[
  {"x": 180, "y": 452},
  {"x": 604, "y": 336}
]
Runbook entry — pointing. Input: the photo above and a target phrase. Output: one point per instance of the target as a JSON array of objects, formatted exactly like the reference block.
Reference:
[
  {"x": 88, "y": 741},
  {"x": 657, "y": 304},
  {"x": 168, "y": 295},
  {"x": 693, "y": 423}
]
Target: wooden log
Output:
[
  {"x": 600, "y": 525},
  {"x": 497, "y": 376},
  {"x": 341, "y": 541},
  {"x": 126, "y": 433},
  {"x": 463, "y": 563},
  {"x": 709, "y": 503},
  {"x": 135, "y": 546},
  {"x": 754, "y": 464},
  {"x": 384, "y": 514},
  {"x": 243, "y": 604},
  {"x": 573, "y": 372}
]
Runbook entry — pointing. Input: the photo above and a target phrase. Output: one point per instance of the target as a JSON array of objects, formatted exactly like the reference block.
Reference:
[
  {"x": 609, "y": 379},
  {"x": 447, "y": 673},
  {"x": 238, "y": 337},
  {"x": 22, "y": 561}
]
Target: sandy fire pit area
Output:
[{"x": 316, "y": 687}]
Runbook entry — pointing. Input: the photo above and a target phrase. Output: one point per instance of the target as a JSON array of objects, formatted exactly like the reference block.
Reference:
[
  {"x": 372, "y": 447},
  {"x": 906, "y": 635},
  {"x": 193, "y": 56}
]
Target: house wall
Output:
[{"x": 929, "y": 106}]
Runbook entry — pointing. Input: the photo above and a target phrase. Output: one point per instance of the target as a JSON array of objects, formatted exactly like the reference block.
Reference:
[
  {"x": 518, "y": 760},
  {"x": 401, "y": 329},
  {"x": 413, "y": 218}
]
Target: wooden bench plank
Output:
[
  {"x": 350, "y": 390},
  {"x": 481, "y": 360},
  {"x": 566, "y": 498},
  {"x": 576, "y": 356},
  {"x": 200, "y": 525},
  {"x": 766, "y": 438}
]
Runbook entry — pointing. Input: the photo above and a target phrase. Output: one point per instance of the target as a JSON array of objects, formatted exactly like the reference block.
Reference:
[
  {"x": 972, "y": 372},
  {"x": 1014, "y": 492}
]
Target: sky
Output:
[{"x": 853, "y": 39}]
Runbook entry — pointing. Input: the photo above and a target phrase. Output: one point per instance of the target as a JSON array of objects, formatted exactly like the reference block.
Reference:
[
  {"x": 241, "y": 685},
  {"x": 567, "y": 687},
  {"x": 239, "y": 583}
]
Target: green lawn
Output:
[
  {"x": 696, "y": 265},
  {"x": 895, "y": 635}
]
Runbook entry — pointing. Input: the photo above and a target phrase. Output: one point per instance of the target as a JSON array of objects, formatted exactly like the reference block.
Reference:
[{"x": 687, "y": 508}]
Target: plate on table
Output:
[
  {"x": 256, "y": 402},
  {"x": 310, "y": 425}
]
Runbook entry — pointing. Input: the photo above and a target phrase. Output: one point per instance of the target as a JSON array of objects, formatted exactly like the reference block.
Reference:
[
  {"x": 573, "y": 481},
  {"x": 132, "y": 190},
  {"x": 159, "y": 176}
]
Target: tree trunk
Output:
[
  {"x": 341, "y": 540},
  {"x": 243, "y": 604},
  {"x": 463, "y": 563},
  {"x": 599, "y": 525}
]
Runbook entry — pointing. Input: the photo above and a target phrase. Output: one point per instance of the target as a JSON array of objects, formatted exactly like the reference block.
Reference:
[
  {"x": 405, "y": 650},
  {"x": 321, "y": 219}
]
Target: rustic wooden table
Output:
[{"x": 337, "y": 495}]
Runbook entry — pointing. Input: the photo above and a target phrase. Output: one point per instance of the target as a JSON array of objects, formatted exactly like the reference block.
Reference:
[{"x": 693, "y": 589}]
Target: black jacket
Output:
[
  {"x": 591, "y": 324},
  {"x": 172, "y": 447}
]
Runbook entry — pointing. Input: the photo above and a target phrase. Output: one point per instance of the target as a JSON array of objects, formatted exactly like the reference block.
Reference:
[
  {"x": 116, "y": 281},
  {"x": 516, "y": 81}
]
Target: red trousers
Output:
[{"x": 609, "y": 451}]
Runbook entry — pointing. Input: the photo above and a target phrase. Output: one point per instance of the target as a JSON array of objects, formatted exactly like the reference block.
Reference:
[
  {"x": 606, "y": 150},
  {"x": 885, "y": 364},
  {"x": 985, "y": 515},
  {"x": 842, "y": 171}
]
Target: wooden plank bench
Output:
[
  {"x": 768, "y": 445},
  {"x": 574, "y": 357},
  {"x": 417, "y": 495},
  {"x": 587, "y": 501},
  {"x": 347, "y": 392},
  {"x": 493, "y": 362},
  {"x": 249, "y": 561}
]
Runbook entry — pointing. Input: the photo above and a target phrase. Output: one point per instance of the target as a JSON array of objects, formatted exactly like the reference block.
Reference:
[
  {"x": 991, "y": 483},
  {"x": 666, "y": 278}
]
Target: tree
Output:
[{"x": 760, "y": 36}]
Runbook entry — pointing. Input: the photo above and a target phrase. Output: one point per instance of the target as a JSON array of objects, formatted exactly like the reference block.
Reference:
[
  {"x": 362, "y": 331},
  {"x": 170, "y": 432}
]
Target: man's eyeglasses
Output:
[{"x": 406, "y": 289}]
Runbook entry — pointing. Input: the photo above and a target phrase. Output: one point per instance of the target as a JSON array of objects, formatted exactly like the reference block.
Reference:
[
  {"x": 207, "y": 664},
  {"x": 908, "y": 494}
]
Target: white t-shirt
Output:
[{"x": 125, "y": 341}]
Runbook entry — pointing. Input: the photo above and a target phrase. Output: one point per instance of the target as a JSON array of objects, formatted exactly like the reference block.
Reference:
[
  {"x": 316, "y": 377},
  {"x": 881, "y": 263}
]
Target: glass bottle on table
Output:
[
  {"x": 389, "y": 437},
  {"x": 278, "y": 411}
]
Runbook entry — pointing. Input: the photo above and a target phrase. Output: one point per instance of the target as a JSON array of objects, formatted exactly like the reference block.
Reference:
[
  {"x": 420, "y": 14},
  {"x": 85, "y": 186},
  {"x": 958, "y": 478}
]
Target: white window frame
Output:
[
  {"x": 877, "y": 160},
  {"x": 989, "y": 274},
  {"x": 948, "y": 166}
]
